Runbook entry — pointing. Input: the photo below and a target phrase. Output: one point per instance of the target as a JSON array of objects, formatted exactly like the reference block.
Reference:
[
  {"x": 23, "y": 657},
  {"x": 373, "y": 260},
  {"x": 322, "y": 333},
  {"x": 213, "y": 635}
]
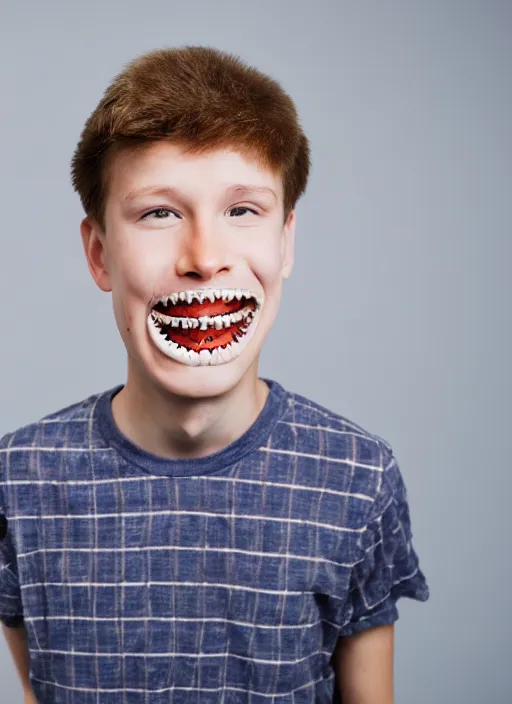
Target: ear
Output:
[
  {"x": 288, "y": 244},
  {"x": 93, "y": 240}
]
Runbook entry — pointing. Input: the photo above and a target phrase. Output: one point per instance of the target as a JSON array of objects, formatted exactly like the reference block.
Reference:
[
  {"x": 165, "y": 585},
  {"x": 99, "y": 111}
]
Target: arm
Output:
[
  {"x": 11, "y": 607},
  {"x": 17, "y": 643},
  {"x": 387, "y": 570},
  {"x": 363, "y": 664}
]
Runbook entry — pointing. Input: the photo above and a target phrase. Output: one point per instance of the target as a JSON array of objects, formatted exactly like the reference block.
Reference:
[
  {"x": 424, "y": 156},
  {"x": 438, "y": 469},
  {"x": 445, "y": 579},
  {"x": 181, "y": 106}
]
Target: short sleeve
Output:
[
  {"x": 11, "y": 611},
  {"x": 389, "y": 566}
]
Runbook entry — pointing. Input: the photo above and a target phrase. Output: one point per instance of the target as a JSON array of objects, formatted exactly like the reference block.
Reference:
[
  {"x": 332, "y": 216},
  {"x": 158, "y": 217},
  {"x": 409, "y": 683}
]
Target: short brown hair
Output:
[{"x": 202, "y": 98}]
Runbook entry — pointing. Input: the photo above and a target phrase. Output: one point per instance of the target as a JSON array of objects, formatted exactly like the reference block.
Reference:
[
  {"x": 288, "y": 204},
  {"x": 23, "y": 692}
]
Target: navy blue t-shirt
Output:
[{"x": 227, "y": 578}]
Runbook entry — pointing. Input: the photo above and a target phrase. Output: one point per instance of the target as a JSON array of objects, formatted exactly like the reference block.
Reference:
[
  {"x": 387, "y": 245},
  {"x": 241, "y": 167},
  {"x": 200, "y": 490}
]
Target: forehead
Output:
[{"x": 169, "y": 164}]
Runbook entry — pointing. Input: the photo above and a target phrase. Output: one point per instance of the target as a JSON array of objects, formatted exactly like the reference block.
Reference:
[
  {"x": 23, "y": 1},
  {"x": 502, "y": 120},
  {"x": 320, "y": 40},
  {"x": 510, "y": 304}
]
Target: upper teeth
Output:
[
  {"x": 205, "y": 321},
  {"x": 212, "y": 294}
]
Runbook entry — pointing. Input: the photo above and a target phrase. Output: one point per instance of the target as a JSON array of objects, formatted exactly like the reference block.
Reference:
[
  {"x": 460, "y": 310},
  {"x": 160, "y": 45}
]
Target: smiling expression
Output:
[{"x": 195, "y": 250}]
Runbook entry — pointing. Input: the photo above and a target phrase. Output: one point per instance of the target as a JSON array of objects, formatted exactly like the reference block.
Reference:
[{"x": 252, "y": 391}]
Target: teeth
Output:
[
  {"x": 204, "y": 357},
  {"x": 194, "y": 358},
  {"x": 225, "y": 354},
  {"x": 206, "y": 321},
  {"x": 179, "y": 352},
  {"x": 212, "y": 295},
  {"x": 161, "y": 318}
]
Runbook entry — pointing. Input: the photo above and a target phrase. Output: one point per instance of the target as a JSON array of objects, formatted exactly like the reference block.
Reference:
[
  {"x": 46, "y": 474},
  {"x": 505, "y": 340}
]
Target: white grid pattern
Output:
[{"x": 231, "y": 583}]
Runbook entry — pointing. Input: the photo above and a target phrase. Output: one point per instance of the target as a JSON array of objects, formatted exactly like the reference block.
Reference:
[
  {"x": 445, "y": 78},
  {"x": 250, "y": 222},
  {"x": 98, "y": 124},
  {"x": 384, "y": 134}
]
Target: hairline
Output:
[{"x": 122, "y": 146}]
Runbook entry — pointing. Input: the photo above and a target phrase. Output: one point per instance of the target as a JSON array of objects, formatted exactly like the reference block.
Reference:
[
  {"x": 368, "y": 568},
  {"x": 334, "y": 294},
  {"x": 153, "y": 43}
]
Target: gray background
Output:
[{"x": 402, "y": 269}]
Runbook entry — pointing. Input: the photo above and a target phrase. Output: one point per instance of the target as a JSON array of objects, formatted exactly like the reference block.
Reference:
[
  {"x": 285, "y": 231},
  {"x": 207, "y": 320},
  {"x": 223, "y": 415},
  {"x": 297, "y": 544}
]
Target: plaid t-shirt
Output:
[{"x": 224, "y": 579}]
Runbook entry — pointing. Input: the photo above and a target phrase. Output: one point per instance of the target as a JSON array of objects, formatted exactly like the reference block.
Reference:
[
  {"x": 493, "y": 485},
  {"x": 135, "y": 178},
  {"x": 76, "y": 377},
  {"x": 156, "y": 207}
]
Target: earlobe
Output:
[
  {"x": 93, "y": 240},
  {"x": 288, "y": 243}
]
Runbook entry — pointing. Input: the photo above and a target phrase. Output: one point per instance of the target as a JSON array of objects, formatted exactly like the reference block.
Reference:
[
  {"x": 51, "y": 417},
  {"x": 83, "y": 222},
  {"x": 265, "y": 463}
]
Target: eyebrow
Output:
[
  {"x": 151, "y": 190},
  {"x": 238, "y": 188},
  {"x": 245, "y": 188}
]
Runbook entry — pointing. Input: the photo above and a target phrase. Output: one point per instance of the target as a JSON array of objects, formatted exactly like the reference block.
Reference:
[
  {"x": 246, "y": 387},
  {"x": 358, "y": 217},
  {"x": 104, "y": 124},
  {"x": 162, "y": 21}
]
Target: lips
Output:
[{"x": 204, "y": 327}]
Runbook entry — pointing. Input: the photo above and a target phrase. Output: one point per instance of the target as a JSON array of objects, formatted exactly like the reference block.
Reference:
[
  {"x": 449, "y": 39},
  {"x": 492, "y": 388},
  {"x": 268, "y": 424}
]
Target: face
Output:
[{"x": 195, "y": 251}]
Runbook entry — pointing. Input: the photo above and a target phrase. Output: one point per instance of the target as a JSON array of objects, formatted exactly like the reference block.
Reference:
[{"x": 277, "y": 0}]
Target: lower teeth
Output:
[
  {"x": 196, "y": 355},
  {"x": 196, "y": 345}
]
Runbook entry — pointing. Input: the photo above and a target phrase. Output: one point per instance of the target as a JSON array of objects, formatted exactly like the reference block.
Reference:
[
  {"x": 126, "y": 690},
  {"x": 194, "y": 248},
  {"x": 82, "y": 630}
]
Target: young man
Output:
[{"x": 199, "y": 533}]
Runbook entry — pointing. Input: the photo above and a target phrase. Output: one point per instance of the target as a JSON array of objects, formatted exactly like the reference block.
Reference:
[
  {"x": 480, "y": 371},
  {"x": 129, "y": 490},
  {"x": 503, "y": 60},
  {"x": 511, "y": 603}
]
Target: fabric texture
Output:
[{"x": 227, "y": 578}]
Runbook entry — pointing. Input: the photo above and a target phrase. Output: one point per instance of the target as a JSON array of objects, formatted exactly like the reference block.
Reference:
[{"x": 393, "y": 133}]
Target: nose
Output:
[{"x": 203, "y": 254}]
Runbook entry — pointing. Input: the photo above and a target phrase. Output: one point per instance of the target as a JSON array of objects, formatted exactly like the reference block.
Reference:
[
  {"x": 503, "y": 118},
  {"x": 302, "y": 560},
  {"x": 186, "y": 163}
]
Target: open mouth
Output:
[{"x": 206, "y": 326}]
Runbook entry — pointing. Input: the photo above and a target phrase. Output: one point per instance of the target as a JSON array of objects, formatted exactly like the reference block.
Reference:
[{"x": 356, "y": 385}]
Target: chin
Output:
[
  {"x": 177, "y": 378},
  {"x": 204, "y": 382}
]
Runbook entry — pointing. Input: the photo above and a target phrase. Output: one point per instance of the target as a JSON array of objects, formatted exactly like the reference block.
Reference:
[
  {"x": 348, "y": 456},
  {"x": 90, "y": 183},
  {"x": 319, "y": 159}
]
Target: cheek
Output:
[
  {"x": 266, "y": 262},
  {"x": 137, "y": 271},
  {"x": 134, "y": 276}
]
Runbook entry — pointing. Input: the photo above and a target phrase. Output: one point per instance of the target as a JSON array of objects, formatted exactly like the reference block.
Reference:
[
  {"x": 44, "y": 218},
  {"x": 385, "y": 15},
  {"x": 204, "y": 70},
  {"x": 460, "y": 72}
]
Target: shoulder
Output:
[
  {"x": 46, "y": 431},
  {"x": 332, "y": 454},
  {"x": 28, "y": 454},
  {"x": 341, "y": 438}
]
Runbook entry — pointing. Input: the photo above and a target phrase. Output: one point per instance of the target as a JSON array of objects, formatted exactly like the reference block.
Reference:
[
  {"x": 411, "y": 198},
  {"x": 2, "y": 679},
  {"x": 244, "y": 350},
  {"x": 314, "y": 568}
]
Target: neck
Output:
[{"x": 177, "y": 427}]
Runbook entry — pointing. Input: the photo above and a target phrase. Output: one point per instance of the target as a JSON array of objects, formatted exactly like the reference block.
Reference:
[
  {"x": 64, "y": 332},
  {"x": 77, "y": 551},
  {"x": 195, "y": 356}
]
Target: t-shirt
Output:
[{"x": 220, "y": 579}]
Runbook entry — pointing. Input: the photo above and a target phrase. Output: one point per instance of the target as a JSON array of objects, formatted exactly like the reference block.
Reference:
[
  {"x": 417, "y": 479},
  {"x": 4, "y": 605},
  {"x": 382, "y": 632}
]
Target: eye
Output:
[
  {"x": 240, "y": 210},
  {"x": 160, "y": 214}
]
